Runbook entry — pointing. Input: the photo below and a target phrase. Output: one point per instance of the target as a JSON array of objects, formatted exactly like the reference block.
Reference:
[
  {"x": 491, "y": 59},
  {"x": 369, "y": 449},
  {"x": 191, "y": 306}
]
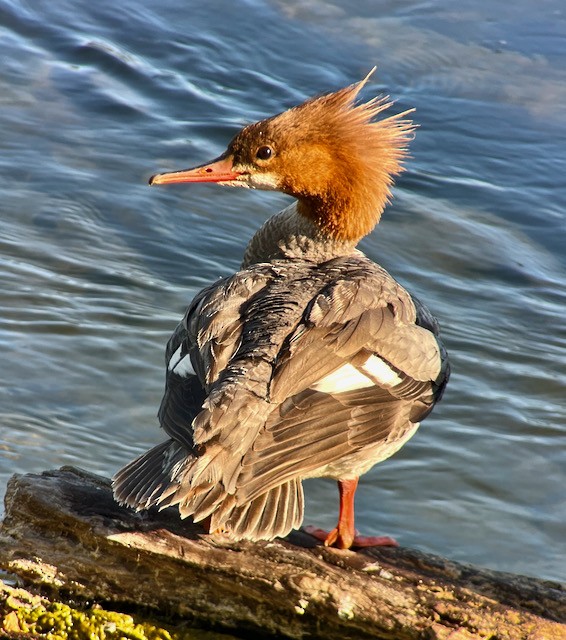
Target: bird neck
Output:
[{"x": 290, "y": 235}]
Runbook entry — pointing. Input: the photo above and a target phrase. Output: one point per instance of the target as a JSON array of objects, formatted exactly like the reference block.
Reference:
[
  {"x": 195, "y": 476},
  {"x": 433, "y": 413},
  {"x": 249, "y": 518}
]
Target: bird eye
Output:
[{"x": 264, "y": 153}]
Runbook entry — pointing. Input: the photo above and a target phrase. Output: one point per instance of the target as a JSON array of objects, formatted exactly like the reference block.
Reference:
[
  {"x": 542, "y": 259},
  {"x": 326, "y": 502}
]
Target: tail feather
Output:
[
  {"x": 142, "y": 482},
  {"x": 162, "y": 477},
  {"x": 273, "y": 514}
]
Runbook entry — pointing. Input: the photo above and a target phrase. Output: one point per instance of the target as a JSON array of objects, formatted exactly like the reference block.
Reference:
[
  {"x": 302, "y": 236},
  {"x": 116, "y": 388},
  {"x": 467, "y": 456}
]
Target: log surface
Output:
[{"x": 62, "y": 530}]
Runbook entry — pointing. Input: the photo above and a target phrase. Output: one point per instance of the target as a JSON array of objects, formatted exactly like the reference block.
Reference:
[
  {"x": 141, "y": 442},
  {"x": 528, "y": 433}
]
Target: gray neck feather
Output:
[{"x": 288, "y": 235}]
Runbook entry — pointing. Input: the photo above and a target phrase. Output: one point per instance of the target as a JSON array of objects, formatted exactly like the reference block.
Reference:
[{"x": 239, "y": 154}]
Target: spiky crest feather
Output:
[{"x": 345, "y": 160}]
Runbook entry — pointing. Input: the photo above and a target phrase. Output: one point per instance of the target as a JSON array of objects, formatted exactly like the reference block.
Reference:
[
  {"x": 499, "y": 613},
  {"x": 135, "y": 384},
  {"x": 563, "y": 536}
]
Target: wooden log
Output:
[{"x": 63, "y": 530}]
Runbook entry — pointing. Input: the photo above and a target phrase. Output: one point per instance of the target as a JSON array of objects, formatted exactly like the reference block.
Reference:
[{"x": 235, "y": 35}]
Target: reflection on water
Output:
[{"x": 97, "y": 268}]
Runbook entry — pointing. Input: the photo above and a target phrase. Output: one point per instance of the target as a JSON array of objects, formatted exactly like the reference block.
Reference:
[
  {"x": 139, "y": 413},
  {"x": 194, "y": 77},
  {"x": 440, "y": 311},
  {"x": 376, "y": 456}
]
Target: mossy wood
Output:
[{"x": 62, "y": 530}]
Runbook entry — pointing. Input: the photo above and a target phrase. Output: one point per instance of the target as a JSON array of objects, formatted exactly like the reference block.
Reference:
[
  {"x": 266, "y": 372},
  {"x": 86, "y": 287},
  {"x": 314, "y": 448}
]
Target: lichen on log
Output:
[
  {"x": 63, "y": 531},
  {"x": 26, "y": 615}
]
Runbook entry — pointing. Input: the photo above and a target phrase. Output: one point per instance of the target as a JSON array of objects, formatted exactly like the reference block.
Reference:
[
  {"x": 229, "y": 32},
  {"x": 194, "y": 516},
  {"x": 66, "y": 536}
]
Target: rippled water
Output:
[{"x": 96, "y": 268}]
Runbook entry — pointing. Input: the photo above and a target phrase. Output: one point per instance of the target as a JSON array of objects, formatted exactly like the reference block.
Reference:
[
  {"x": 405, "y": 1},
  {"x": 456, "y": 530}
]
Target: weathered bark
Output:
[{"x": 64, "y": 531}]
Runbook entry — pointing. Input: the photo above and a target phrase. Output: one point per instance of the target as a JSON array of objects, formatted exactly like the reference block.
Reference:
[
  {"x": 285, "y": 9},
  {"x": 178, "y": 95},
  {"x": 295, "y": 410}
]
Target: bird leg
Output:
[{"x": 344, "y": 535}]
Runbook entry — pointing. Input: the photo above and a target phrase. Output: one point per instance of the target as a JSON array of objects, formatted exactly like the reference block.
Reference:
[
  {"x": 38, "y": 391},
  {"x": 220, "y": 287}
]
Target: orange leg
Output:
[{"x": 345, "y": 535}]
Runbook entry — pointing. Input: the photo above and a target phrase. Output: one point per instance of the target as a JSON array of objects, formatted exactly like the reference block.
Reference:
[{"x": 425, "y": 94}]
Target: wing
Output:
[
  {"x": 200, "y": 349},
  {"x": 352, "y": 382}
]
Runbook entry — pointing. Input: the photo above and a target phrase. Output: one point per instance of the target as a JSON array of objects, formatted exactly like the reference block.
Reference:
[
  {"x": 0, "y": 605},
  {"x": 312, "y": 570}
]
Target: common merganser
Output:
[{"x": 311, "y": 360}]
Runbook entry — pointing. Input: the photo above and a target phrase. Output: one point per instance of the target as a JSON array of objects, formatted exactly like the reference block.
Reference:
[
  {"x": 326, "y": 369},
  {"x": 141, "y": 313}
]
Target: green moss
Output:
[{"x": 22, "y": 612}]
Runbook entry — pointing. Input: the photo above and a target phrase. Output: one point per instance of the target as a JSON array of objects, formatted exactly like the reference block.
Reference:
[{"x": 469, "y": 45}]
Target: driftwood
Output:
[{"x": 63, "y": 531}]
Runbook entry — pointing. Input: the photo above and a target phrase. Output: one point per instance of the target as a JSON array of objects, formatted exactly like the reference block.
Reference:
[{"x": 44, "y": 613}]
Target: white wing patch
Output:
[
  {"x": 381, "y": 371},
  {"x": 181, "y": 366},
  {"x": 348, "y": 378},
  {"x": 174, "y": 359}
]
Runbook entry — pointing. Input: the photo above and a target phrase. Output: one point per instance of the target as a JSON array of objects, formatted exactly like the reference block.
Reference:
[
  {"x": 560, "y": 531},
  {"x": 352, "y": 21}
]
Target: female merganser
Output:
[{"x": 311, "y": 361}]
